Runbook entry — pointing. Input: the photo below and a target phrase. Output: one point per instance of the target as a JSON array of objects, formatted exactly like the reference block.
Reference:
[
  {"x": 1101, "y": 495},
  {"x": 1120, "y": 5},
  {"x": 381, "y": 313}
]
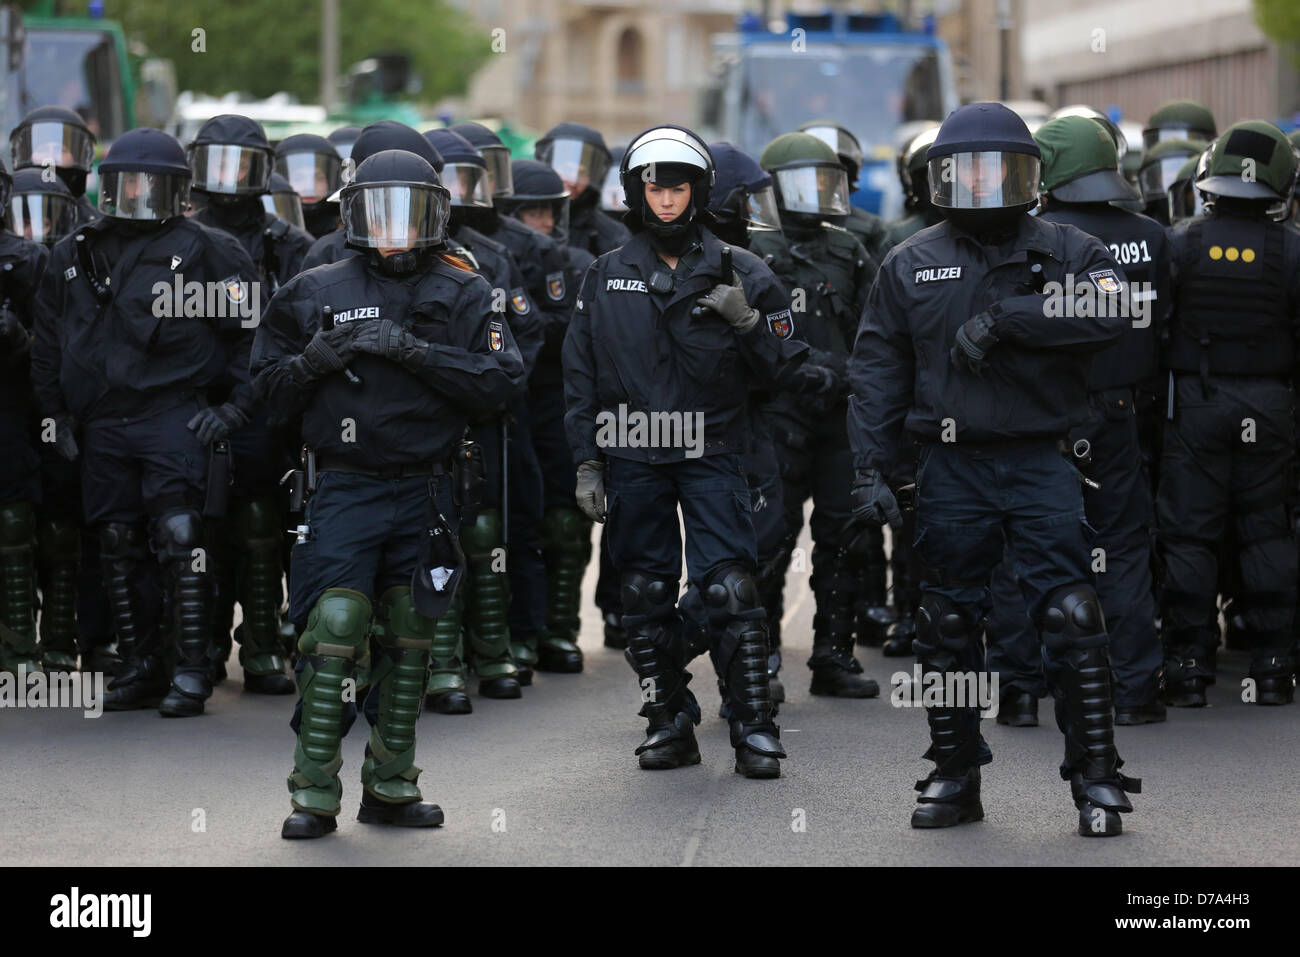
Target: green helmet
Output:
[
  {"x": 1082, "y": 109},
  {"x": 1179, "y": 120},
  {"x": 1080, "y": 161},
  {"x": 1251, "y": 160},
  {"x": 807, "y": 175},
  {"x": 1161, "y": 165}
]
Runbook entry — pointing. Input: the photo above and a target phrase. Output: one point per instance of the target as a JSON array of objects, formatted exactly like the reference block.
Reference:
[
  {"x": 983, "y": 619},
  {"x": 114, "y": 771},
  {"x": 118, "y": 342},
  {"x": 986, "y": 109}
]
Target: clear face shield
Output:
[
  {"x": 396, "y": 216},
  {"x": 286, "y": 206},
  {"x": 1185, "y": 201},
  {"x": 611, "y": 192},
  {"x": 580, "y": 164},
  {"x": 313, "y": 176},
  {"x": 53, "y": 144},
  {"x": 233, "y": 170},
  {"x": 130, "y": 194},
  {"x": 761, "y": 213},
  {"x": 841, "y": 142},
  {"x": 500, "y": 179},
  {"x": 468, "y": 185},
  {"x": 1156, "y": 178},
  {"x": 1151, "y": 137},
  {"x": 42, "y": 217},
  {"x": 983, "y": 180},
  {"x": 816, "y": 190}
]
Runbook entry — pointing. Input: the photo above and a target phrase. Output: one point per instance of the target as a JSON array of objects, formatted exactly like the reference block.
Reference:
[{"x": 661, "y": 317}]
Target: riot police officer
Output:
[
  {"x": 1230, "y": 442},
  {"x": 57, "y": 137},
  {"x": 314, "y": 169},
  {"x": 415, "y": 347},
  {"x": 637, "y": 360},
  {"x": 827, "y": 273},
  {"x": 127, "y": 351},
  {"x": 21, "y": 264},
  {"x": 867, "y": 228},
  {"x": 1185, "y": 199},
  {"x": 232, "y": 162},
  {"x": 579, "y": 154},
  {"x": 1160, "y": 166},
  {"x": 280, "y": 200},
  {"x": 1179, "y": 120},
  {"x": 343, "y": 139},
  {"x": 1081, "y": 181},
  {"x": 966, "y": 345},
  {"x": 916, "y": 188}
]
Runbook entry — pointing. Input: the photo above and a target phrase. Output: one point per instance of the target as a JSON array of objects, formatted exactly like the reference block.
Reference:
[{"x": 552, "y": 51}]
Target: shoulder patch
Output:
[
  {"x": 496, "y": 340},
  {"x": 1106, "y": 281},
  {"x": 781, "y": 324},
  {"x": 519, "y": 301},
  {"x": 555, "y": 286},
  {"x": 926, "y": 274},
  {"x": 236, "y": 289}
]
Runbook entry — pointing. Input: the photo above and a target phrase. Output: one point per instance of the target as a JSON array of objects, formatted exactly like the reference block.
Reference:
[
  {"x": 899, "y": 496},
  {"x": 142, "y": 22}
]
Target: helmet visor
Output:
[
  {"x": 1151, "y": 137},
  {"x": 844, "y": 145},
  {"x": 53, "y": 144},
  {"x": 235, "y": 170},
  {"x": 287, "y": 206},
  {"x": 1155, "y": 178},
  {"x": 579, "y": 163},
  {"x": 611, "y": 193},
  {"x": 1185, "y": 201},
  {"x": 989, "y": 179},
  {"x": 313, "y": 176},
  {"x": 760, "y": 211},
  {"x": 500, "y": 180},
  {"x": 131, "y": 194},
  {"x": 468, "y": 185},
  {"x": 821, "y": 190},
  {"x": 42, "y": 217},
  {"x": 395, "y": 215},
  {"x": 549, "y": 216}
]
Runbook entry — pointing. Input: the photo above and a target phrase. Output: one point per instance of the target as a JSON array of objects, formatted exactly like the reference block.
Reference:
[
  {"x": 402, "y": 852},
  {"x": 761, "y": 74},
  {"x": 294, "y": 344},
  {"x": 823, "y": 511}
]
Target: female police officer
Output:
[
  {"x": 384, "y": 396},
  {"x": 663, "y": 332}
]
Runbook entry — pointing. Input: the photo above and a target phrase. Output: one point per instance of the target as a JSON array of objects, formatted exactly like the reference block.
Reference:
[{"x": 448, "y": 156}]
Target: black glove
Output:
[
  {"x": 590, "y": 493},
  {"x": 731, "y": 303},
  {"x": 65, "y": 436},
  {"x": 389, "y": 340},
  {"x": 873, "y": 502},
  {"x": 974, "y": 339},
  {"x": 216, "y": 422},
  {"x": 326, "y": 352},
  {"x": 812, "y": 379}
]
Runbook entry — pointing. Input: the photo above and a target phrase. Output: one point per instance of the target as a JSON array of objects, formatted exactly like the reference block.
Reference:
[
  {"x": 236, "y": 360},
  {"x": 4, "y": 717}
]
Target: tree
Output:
[
  {"x": 1280, "y": 19},
  {"x": 272, "y": 45}
]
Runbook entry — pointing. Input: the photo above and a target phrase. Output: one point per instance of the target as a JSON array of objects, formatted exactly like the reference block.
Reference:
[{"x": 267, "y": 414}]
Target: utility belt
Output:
[{"x": 390, "y": 473}]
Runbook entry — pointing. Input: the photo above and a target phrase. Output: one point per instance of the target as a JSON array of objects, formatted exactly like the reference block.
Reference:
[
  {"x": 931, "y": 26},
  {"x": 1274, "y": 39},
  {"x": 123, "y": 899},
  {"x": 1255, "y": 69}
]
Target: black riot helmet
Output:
[
  {"x": 912, "y": 173},
  {"x": 983, "y": 168},
  {"x": 742, "y": 199},
  {"x": 538, "y": 187},
  {"x": 280, "y": 200},
  {"x": 843, "y": 142},
  {"x": 231, "y": 156},
  {"x": 579, "y": 154},
  {"x": 667, "y": 156},
  {"x": 55, "y": 136},
  {"x": 395, "y": 202},
  {"x": 311, "y": 165},
  {"x": 40, "y": 207},
  {"x": 464, "y": 171},
  {"x": 495, "y": 154},
  {"x": 145, "y": 177},
  {"x": 343, "y": 138},
  {"x": 388, "y": 135}
]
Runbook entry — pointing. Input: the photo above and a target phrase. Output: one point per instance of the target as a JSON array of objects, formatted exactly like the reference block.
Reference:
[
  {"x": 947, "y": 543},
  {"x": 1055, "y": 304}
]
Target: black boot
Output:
[
  {"x": 899, "y": 637},
  {"x": 301, "y": 825},
  {"x": 1185, "y": 682},
  {"x": 1273, "y": 677},
  {"x": 413, "y": 814},
  {"x": 176, "y": 534}
]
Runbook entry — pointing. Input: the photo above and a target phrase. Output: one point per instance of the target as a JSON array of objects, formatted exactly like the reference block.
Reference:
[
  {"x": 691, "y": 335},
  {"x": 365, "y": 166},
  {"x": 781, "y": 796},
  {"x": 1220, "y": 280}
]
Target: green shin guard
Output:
[
  {"x": 488, "y": 599},
  {"x": 18, "y": 571},
  {"x": 404, "y": 638},
  {"x": 336, "y": 630},
  {"x": 566, "y": 546},
  {"x": 447, "y": 655},
  {"x": 260, "y": 592},
  {"x": 58, "y": 554}
]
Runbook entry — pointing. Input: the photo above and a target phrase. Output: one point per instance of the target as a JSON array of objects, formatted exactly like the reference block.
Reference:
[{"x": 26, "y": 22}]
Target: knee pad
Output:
[
  {"x": 337, "y": 625},
  {"x": 730, "y": 591},
  {"x": 402, "y": 625},
  {"x": 122, "y": 541},
  {"x": 481, "y": 538},
  {"x": 942, "y": 630},
  {"x": 17, "y": 525},
  {"x": 257, "y": 520},
  {"x": 646, "y": 598},
  {"x": 1073, "y": 618},
  {"x": 176, "y": 534}
]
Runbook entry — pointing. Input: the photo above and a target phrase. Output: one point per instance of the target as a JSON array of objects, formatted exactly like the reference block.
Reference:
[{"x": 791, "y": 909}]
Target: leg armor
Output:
[
  {"x": 58, "y": 554},
  {"x": 566, "y": 544},
  {"x": 487, "y": 603},
  {"x": 1074, "y": 631},
  {"x": 835, "y": 671},
  {"x": 176, "y": 536},
  {"x": 257, "y": 534},
  {"x": 139, "y": 680},
  {"x": 872, "y": 615},
  {"x": 18, "y": 569},
  {"x": 446, "y": 684},
  {"x": 657, "y": 654}
]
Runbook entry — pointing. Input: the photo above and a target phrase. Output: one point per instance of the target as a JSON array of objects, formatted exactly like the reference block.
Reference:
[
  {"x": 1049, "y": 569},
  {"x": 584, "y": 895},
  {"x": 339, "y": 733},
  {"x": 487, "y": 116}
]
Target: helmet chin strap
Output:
[{"x": 399, "y": 264}]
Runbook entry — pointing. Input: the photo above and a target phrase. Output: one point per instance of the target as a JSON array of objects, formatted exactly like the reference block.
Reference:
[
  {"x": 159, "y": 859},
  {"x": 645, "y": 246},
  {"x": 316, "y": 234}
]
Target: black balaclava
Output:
[
  {"x": 674, "y": 237},
  {"x": 235, "y": 213}
]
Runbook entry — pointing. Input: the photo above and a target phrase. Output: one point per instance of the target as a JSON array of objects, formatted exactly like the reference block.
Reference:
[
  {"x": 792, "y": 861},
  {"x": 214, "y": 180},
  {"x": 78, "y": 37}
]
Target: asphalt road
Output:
[{"x": 551, "y": 779}]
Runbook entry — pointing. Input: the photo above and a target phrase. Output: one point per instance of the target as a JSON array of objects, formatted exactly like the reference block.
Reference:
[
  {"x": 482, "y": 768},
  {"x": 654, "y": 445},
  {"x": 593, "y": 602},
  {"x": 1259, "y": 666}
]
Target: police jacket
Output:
[
  {"x": 21, "y": 264},
  {"x": 592, "y": 230},
  {"x": 1138, "y": 244},
  {"x": 130, "y": 322},
  {"x": 634, "y": 350},
  {"x": 1033, "y": 385},
  {"x": 904, "y": 228},
  {"x": 277, "y": 248},
  {"x": 871, "y": 231},
  {"x": 329, "y": 248},
  {"x": 1236, "y": 282},
  {"x": 397, "y": 416},
  {"x": 86, "y": 212},
  {"x": 493, "y": 262}
]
